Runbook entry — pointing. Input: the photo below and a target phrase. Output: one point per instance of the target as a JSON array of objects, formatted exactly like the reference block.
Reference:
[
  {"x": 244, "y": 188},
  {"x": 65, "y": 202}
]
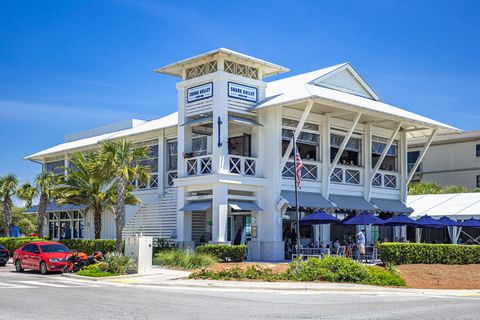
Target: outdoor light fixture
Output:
[{"x": 219, "y": 122}]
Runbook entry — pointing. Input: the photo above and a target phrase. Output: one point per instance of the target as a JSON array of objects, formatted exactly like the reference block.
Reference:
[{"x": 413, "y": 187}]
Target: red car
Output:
[{"x": 43, "y": 256}]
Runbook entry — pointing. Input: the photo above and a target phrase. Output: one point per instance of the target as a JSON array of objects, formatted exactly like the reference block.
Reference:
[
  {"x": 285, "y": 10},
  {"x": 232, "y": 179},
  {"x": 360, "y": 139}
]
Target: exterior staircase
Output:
[{"x": 156, "y": 219}]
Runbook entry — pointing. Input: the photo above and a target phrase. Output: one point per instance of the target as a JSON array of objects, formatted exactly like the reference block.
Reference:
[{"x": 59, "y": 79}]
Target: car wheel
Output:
[
  {"x": 43, "y": 267},
  {"x": 18, "y": 266}
]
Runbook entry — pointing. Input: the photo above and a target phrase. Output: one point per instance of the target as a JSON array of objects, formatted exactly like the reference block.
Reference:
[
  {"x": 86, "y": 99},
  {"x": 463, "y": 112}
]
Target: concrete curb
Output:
[{"x": 126, "y": 276}]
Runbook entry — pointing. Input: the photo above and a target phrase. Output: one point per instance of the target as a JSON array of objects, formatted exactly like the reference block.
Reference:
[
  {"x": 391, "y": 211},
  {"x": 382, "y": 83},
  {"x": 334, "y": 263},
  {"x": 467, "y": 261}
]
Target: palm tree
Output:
[
  {"x": 10, "y": 188},
  {"x": 84, "y": 185},
  {"x": 44, "y": 187},
  {"x": 123, "y": 160}
]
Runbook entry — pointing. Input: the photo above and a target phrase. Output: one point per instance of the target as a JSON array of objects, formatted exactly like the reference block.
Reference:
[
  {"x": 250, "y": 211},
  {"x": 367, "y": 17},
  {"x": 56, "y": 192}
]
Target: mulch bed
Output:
[
  {"x": 440, "y": 276},
  {"x": 277, "y": 268}
]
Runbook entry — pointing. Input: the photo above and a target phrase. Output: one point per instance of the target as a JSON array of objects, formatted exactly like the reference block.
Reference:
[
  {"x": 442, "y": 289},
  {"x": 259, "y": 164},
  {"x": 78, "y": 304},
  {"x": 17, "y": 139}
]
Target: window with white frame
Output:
[
  {"x": 308, "y": 141},
  {"x": 66, "y": 225},
  {"x": 390, "y": 163},
  {"x": 152, "y": 162},
  {"x": 172, "y": 153},
  {"x": 351, "y": 155},
  {"x": 56, "y": 167},
  {"x": 199, "y": 145}
]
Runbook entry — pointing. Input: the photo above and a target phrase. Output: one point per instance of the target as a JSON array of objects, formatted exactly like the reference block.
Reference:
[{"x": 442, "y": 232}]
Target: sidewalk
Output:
[{"x": 179, "y": 279}]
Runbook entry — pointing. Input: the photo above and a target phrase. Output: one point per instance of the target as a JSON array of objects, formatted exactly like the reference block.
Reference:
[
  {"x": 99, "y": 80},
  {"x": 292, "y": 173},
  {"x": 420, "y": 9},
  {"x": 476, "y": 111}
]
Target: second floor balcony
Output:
[{"x": 202, "y": 165}]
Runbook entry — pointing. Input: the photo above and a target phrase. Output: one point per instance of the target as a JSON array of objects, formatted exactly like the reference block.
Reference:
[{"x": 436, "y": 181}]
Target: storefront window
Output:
[
  {"x": 199, "y": 146},
  {"x": 351, "y": 155},
  {"x": 390, "y": 163},
  {"x": 307, "y": 143}
]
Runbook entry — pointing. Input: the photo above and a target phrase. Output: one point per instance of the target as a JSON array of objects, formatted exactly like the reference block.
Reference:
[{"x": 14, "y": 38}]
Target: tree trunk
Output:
[
  {"x": 7, "y": 216},
  {"x": 120, "y": 214},
  {"x": 97, "y": 220},
  {"x": 41, "y": 213}
]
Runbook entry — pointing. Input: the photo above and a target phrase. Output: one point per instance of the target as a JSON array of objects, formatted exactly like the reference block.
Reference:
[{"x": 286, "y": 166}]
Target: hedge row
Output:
[
  {"x": 409, "y": 253},
  {"x": 87, "y": 246},
  {"x": 224, "y": 252}
]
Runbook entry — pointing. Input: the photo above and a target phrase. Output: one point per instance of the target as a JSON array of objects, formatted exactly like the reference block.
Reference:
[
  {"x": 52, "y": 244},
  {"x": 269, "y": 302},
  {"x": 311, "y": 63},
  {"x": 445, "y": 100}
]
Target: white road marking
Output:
[
  {"x": 13, "y": 286},
  {"x": 41, "y": 283}
]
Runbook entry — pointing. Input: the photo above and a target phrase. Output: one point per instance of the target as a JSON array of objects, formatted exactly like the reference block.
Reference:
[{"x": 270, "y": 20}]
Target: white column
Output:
[
  {"x": 367, "y": 160},
  {"x": 220, "y": 111},
  {"x": 219, "y": 213},
  {"x": 184, "y": 220},
  {"x": 162, "y": 177},
  {"x": 325, "y": 155},
  {"x": 403, "y": 166}
]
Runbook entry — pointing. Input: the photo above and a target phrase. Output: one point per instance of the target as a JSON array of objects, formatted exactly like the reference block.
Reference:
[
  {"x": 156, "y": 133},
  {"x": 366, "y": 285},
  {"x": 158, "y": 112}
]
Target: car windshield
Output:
[{"x": 53, "y": 248}]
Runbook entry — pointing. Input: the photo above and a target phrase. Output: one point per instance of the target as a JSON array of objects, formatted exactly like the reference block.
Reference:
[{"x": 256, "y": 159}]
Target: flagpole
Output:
[{"x": 297, "y": 245}]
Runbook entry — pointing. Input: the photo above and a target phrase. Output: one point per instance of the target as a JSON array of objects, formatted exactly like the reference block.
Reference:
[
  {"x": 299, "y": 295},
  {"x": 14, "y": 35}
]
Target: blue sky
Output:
[{"x": 67, "y": 66}]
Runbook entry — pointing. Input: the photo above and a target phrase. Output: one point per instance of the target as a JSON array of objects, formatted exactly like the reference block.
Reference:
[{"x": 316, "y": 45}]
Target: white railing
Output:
[
  {"x": 310, "y": 170},
  {"x": 171, "y": 175},
  {"x": 387, "y": 180},
  {"x": 245, "y": 166},
  {"x": 347, "y": 175},
  {"x": 197, "y": 166},
  {"x": 152, "y": 183}
]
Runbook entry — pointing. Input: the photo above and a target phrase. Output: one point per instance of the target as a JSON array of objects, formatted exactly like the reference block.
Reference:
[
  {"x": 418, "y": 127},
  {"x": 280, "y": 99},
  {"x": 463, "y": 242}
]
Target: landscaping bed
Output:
[{"x": 440, "y": 276}]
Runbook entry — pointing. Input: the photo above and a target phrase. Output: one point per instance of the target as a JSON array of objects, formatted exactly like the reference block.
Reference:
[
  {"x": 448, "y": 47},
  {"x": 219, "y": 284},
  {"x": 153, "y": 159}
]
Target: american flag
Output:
[{"x": 298, "y": 168}]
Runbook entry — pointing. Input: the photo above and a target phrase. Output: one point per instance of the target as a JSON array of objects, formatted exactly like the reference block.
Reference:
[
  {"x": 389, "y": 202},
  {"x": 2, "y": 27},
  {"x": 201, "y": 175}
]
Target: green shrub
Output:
[
  {"x": 332, "y": 269},
  {"x": 117, "y": 263},
  {"x": 13, "y": 244},
  {"x": 160, "y": 245},
  {"x": 335, "y": 269},
  {"x": 89, "y": 246},
  {"x": 409, "y": 253},
  {"x": 187, "y": 260},
  {"x": 224, "y": 252},
  {"x": 93, "y": 270},
  {"x": 254, "y": 272},
  {"x": 383, "y": 277}
]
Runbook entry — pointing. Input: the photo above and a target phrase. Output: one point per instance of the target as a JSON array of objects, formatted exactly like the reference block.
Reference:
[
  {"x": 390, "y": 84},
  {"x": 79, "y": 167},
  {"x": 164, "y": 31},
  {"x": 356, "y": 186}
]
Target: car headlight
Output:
[{"x": 55, "y": 260}]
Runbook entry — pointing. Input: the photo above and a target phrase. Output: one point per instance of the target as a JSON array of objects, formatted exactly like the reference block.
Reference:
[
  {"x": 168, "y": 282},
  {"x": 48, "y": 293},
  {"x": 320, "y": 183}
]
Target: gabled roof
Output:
[
  {"x": 175, "y": 69},
  {"x": 152, "y": 125},
  {"x": 302, "y": 87}
]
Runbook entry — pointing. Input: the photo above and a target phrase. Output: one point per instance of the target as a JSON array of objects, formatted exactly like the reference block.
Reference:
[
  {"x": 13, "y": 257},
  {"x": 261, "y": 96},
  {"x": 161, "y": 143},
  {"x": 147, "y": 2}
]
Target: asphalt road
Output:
[{"x": 30, "y": 295}]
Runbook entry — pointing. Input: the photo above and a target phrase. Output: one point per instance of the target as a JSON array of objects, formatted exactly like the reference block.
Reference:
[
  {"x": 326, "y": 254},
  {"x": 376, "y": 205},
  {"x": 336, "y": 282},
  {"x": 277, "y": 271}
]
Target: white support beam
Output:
[
  {"x": 385, "y": 151},
  {"x": 296, "y": 133},
  {"x": 343, "y": 145},
  {"x": 423, "y": 151},
  {"x": 336, "y": 113}
]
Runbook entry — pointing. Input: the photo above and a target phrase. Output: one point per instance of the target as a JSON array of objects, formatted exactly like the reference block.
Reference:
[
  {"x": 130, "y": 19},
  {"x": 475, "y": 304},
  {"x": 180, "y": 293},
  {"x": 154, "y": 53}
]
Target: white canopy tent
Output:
[{"x": 457, "y": 206}]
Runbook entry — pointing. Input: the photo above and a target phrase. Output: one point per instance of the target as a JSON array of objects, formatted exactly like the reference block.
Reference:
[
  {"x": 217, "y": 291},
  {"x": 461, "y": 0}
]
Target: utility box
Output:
[{"x": 140, "y": 248}]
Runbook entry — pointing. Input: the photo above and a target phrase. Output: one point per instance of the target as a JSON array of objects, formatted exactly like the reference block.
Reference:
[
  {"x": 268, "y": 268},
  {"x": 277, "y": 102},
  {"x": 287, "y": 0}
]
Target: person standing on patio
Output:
[{"x": 361, "y": 244}]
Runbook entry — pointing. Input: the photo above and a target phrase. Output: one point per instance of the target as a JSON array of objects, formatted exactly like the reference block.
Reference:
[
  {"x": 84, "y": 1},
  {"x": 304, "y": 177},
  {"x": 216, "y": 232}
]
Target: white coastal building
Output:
[{"x": 223, "y": 165}]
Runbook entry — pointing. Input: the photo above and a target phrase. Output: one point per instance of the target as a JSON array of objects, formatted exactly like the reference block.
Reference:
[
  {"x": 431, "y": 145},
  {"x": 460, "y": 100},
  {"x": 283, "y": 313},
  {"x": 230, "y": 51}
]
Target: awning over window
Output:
[
  {"x": 197, "y": 122},
  {"x": 246, "y": 121},
  {"x": 197, "y": 206},
  {"x": 351, "y": 202},
  {"x": 243, "y": 205},
  {"x": 53, "y": 207},
  {"x": 388, "y": 205},
  {"x": 307, "y": 200}
]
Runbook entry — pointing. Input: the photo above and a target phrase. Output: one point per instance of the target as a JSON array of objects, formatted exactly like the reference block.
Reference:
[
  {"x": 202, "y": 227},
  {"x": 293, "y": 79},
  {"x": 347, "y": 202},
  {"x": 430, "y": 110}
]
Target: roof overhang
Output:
[{"x": 176, "y": 69}]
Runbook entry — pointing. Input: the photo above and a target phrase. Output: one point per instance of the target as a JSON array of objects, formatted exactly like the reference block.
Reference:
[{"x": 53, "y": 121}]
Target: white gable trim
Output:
[{"x": 349, "y": 68}]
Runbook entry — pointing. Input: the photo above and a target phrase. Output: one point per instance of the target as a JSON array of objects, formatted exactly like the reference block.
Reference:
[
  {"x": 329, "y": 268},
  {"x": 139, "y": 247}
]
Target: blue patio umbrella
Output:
[
  {"x": 364, "y": 218},
  {"x": 319, "y": 217},
  {"x": 472, "y": 223},
  {"x": 399, "y": 220},
  {"x": 428, "y": 222},
  {"x": 447, "y": 222}
]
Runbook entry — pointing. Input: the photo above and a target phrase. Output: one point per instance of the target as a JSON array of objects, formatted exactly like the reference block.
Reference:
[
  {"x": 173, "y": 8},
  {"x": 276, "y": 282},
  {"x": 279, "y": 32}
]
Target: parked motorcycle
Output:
[{"x": 76, "y": 260}]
